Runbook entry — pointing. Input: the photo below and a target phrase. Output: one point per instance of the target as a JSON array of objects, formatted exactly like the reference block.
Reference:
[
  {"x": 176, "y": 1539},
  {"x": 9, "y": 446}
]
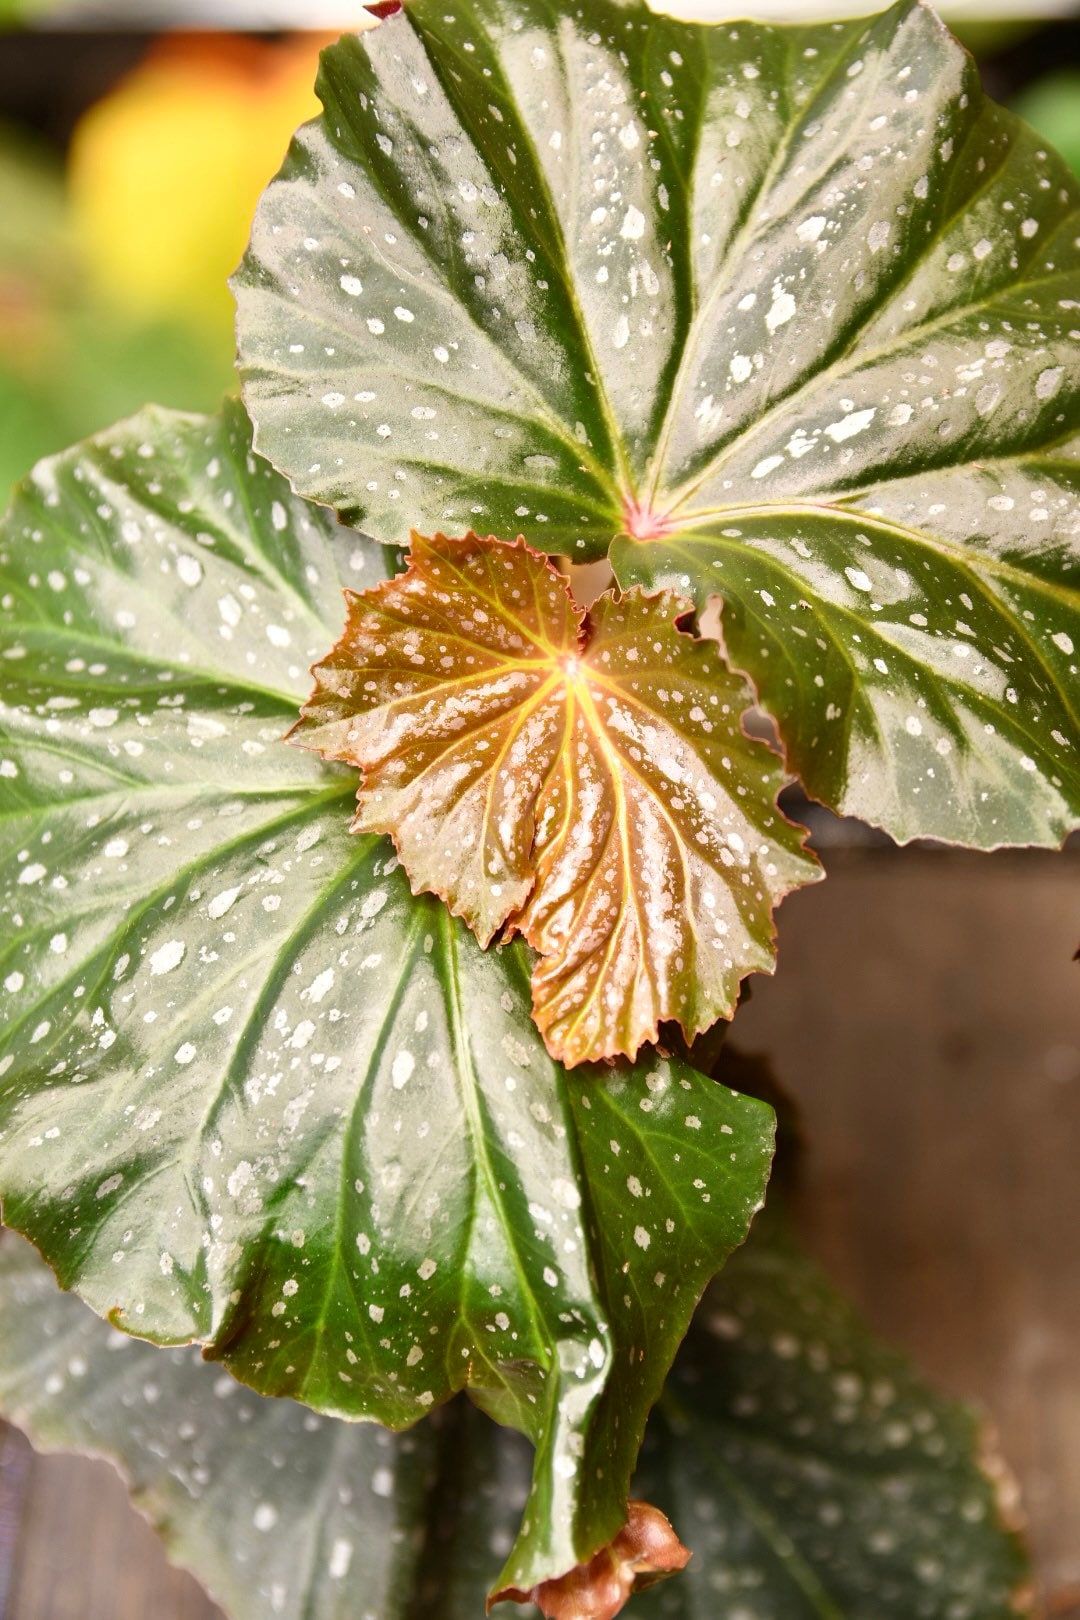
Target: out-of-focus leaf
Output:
[
  {"x": 814, "y": 1473},
  {"x": 1052, "y": 107},
  {"x": 33, "y": 216},
  {"x": 166, "y": 169},
  {"x": 70, "y": 360},
  {"x": 277, "y": 1511}
]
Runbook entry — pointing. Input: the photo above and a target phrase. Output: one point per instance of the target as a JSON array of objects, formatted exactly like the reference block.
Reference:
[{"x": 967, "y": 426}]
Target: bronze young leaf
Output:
[
  {"x": 645, "y": 1551},
  {"x": 584, "y": 780}
]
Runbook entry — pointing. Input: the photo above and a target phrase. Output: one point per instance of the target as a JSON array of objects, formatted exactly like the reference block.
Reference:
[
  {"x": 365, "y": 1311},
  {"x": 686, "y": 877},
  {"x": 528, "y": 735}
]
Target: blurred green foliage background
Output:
[
  {"x": 120, "y": 223},
  {"x": 115, "y": 243}
]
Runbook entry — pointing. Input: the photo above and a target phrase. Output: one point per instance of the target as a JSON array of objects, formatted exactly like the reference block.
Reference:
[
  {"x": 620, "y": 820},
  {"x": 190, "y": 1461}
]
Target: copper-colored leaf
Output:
[
  {"x": 645, "y": 1551},
  {"x": 585, "y": 780}
]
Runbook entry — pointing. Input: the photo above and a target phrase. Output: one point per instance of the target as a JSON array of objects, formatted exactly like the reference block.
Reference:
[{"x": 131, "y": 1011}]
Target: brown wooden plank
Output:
[
  {"x": 85, "y": 1554},
  {"x": 926, "y": 1017},
  {"x": 15, "y": 1465}
]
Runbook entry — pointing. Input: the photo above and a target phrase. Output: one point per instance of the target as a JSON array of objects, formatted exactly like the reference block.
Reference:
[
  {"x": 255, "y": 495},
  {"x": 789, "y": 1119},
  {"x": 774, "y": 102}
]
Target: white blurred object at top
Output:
[{"x": 343, "y": 14}]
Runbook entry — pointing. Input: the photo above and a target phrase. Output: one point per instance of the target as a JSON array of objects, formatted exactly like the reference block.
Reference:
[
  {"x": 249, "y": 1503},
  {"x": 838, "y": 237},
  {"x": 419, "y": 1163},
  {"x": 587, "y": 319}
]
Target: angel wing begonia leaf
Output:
[
  {"x": 253, "y": 1093},
  {"x": 788, "y": 314},
  {"x": 587, "y": 781}
]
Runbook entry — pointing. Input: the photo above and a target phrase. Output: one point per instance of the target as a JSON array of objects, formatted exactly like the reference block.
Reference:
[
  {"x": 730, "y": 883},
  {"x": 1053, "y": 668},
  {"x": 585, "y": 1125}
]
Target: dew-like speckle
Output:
[
  {"x": 1048, "y": 382},
  {"x": 340, "y": 1562},
  {"x": 221, "y": 903},
  {"x": 633, "y": 225},
  {"x": 167, "y": 956},
  {"x": 782, "y": 309},
  {"x": 810, "y": 230},
  {"x": 849, "y": 426}
]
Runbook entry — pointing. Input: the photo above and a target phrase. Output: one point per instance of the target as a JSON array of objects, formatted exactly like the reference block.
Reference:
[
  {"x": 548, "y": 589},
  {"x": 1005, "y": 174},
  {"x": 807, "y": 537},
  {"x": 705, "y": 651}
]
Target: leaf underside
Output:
[
  {"x": 809, "y": 1470},
  {"x": 585, "y": 781},
  {"x": 788, "y": 314},
  {"x": 255, "y": 1094}
]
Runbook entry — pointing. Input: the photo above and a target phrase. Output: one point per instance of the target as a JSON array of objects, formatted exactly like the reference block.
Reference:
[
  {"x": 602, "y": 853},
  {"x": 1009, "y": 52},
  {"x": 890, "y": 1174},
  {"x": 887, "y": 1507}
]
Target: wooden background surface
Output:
[{"x": 926, "y": 1019}]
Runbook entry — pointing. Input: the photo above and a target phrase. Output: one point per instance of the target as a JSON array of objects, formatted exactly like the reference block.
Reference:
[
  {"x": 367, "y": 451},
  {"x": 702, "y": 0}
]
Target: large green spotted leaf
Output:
[
  {"x": 278, "y": 1512},
  {"x": 812, "y": 1473},
  {"x": 252, "y": 1092},
  {"x": 790, "y": 314}
]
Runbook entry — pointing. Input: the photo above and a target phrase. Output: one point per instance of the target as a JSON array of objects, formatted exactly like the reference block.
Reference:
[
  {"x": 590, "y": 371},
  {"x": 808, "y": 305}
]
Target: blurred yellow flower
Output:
[{"x": 166, "y": 170}]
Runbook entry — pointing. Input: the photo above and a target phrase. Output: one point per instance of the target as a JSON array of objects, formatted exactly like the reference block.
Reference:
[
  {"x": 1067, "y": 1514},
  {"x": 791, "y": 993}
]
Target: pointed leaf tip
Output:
[
  {"x": 584, "y": 781},
  {"x": 646, "y": 1550}
]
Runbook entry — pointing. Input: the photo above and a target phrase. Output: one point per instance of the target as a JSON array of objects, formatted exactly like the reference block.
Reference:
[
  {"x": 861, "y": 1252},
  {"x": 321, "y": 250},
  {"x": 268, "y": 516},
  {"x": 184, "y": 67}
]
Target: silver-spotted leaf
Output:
[
  {"x": 584, "y": 779},
  {"x": 810, "y": 1471},
  {"x": 276, "y": 1511},
  {"x": 792, "y": 314},
  {"x": 814, "y": 1473},
  {"x": 254, "y": 1094}
]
